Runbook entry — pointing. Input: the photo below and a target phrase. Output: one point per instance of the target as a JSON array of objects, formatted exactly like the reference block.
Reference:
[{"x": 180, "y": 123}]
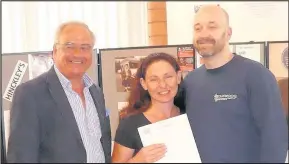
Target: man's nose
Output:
[
  {"x": 77, "y": 51},
  {"x": 204, "y": 33}
]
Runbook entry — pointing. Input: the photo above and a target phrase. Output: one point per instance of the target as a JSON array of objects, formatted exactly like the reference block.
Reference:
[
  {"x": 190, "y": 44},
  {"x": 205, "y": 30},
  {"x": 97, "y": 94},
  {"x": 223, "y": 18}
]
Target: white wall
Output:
[{"x": 250, "y": 21}]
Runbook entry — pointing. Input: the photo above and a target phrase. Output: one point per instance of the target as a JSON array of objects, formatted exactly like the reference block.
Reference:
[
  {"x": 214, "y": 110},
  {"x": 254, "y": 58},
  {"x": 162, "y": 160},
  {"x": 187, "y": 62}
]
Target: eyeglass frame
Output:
[{"x": 71, "y": 47}]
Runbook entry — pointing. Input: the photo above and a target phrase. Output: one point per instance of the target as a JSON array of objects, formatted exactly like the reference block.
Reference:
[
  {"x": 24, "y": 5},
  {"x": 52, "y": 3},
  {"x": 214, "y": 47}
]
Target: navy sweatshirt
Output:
[{"x": 236, "y": 114}]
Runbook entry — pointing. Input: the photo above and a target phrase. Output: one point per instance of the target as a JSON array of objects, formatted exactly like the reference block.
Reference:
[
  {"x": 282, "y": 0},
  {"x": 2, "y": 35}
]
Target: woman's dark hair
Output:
[{"x": 139, "y": 99}]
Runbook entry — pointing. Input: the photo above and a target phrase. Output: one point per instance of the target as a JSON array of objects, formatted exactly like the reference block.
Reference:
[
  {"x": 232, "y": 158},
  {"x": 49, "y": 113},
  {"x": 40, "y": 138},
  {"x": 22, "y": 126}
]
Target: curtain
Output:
[{"x": 31, "y": 26}]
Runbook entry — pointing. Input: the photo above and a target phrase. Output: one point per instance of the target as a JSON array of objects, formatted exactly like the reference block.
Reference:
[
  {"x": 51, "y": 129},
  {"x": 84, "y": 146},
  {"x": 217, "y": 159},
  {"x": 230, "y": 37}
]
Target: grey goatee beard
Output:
[{"x": 206, "y": 55}]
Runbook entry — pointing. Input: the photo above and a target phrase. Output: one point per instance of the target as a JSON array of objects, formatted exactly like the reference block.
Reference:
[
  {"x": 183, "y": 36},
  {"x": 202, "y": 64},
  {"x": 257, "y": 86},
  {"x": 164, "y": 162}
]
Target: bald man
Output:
[{"x": 233, "y": 103}]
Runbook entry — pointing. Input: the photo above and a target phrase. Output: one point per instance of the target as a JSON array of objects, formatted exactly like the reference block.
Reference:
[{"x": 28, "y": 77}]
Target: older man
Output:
[
  {"x": 60, "y": 115},
  {"x": 233, "y": 103}
]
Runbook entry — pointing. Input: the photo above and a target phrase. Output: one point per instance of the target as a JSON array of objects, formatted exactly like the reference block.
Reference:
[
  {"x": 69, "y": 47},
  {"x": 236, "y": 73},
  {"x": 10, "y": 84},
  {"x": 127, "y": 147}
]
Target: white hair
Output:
[{"x": 65, "y": 24}]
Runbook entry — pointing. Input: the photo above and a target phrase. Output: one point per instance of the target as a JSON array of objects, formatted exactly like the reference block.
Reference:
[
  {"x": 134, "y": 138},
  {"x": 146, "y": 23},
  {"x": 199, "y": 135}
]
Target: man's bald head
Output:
[
  {"x": 215, "y": 10},
  {"x": 211, "y": 30}
]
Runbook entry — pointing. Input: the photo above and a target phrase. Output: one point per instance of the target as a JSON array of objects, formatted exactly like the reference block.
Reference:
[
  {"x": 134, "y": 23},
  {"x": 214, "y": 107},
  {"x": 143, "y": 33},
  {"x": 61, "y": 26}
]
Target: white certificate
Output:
[{"x": 177, "y": 135}]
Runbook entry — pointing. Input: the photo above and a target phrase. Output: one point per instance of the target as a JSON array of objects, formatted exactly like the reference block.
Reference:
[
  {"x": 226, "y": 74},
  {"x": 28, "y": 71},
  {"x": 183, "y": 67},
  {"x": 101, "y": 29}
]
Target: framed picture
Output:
[
  {"x": 251, "y": 50},
  {"x": 278, "y": 59}
]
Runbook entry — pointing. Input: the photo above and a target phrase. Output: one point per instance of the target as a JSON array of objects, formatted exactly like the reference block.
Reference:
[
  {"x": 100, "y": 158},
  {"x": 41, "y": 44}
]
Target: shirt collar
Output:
[{"x": 66, "y": 83}]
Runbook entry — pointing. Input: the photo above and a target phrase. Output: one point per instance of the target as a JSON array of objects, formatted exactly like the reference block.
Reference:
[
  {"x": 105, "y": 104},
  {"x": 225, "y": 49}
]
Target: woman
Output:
[{"x": 151, "y": 100}]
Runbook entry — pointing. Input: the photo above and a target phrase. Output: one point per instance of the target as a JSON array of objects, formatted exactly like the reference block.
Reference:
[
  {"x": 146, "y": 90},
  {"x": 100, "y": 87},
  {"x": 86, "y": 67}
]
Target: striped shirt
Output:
[{"x": 86, "y": 118}]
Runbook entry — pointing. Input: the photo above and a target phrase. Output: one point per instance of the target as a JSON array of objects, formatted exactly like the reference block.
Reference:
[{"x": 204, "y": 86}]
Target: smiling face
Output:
[
  {"x": 161, "y": 81},
  {"x": 72, "y": 53},
  {"x": 211, "y": 30}
]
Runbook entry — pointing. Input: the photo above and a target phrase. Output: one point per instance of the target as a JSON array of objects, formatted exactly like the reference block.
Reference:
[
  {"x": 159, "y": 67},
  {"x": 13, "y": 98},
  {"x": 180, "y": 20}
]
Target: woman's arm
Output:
[
  {"x": 122, "y": 154},
  {"x": 149, "y": 154}
]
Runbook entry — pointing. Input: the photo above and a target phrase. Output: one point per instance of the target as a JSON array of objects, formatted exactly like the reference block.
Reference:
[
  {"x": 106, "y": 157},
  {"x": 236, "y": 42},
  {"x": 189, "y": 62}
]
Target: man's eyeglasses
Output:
[{"x": 71, "y": 47}]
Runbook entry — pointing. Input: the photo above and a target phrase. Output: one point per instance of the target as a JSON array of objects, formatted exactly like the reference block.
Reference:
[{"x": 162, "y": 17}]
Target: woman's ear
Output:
[
  {"x": 179, "y": 76},
  {"x": 143, "y": 84}
]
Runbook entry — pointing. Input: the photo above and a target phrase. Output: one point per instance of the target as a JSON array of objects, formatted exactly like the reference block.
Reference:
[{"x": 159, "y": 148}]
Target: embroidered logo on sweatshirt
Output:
[{"x": 224, "y": 97}]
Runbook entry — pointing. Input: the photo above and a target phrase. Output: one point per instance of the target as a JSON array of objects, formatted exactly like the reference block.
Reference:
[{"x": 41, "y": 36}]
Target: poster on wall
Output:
[
  {"x": 186, "y": 59},
  {"x": 125, "y": 71},
  {"x": 15, "y": 79},
  {"x": 278, "y": 59},
  {"x": 39, "y": 63},
  {"x": 118, "y": 68},
  {"x": 253, "y": 51}
]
